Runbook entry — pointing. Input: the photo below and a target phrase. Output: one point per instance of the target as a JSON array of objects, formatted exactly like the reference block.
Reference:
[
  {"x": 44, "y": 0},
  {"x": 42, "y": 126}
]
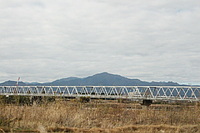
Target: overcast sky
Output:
[{"x": 152, "y": 40}]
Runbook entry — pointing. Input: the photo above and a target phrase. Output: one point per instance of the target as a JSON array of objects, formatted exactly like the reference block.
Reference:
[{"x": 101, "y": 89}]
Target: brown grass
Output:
[
  {"x": 72, "y": 116},
  {"x": 132, "y": 128}
]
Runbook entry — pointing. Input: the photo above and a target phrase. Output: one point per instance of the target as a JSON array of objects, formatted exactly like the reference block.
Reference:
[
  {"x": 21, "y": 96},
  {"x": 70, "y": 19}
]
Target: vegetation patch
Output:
[{"x": 99, "y": 116}]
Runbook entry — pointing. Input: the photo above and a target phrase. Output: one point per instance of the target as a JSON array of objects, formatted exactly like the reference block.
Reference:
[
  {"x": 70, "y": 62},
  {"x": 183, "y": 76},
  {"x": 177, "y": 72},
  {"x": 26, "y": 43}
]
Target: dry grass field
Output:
[{"x": 100, "y": 116}]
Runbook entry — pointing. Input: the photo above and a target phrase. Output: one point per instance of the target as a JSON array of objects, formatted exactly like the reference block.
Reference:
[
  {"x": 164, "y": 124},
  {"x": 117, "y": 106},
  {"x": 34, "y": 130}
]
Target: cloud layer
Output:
[{"x": 150, "y": 40}]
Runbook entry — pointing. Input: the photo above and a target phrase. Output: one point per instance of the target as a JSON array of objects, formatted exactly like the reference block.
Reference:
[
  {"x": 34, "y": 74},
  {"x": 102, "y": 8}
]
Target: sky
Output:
[{"x": 45, "y": 40}]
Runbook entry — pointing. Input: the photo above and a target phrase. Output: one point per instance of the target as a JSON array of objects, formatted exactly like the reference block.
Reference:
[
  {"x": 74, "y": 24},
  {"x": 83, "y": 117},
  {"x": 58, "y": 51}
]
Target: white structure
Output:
[{"x": 187, "y": 93}]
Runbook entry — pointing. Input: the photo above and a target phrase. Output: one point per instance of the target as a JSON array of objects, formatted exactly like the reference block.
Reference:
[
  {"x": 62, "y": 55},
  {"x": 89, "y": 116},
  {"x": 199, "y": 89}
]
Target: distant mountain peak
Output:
[
  {"x": 106, "y": 74},
  {"x": 67, "y": 79},
  {"x": 12, "y": 83},
  {"x": 103, "y": 73},
  {"x": 99, "y": 79}
]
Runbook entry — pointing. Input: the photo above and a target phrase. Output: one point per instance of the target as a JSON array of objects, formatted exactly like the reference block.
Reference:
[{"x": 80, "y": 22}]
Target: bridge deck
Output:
[{"x": 187, "y": 93}]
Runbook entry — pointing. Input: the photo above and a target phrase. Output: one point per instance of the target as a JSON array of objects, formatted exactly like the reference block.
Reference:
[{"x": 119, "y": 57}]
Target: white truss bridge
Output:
[{"x": 183, "y": 93}]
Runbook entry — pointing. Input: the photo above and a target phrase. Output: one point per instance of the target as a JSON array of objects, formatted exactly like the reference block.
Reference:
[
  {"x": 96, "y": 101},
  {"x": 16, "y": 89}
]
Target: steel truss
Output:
[{"x": 187, "y": 93}]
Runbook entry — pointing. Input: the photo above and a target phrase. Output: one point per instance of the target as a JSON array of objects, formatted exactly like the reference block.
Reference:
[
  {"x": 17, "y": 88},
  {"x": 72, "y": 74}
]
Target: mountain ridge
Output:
[{"x": 99, "y": 79}]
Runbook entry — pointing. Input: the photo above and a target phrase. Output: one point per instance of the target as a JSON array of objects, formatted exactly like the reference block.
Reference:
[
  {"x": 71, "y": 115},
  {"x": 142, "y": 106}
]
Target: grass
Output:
[{"x": 99, "y": 116}]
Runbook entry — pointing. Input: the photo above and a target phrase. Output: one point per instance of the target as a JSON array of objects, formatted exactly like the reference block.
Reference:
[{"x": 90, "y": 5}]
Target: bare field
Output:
[{"x": 100, "y": 116}]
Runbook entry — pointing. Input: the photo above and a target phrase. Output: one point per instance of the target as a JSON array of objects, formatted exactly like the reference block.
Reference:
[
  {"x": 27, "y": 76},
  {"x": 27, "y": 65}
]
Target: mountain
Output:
[
  {"x": 108, "y": 79},
  {"x": 62, "y": 82},
  {"x": 12, "y": 83},
  {"x": 169, "y": 83},
  {"x": 33, "y": 83},
  {"x": 64, "y": 79},
  {"x": 100, "y": 79}
]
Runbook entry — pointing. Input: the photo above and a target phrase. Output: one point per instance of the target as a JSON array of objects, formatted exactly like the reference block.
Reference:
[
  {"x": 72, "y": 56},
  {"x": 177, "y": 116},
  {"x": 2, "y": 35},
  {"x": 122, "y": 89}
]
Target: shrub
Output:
[
  {"x": 84, "y": 99},
  {"x": 4, "y": 121},
  {"x": 19, "y": 100}
]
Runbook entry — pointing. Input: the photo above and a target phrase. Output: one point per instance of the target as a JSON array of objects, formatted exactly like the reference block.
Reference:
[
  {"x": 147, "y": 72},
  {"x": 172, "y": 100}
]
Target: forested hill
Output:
[{"x": 101, "y": 79}]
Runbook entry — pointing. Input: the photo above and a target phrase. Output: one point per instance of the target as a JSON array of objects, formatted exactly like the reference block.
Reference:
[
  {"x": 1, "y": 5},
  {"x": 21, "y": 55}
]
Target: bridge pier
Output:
[{"x": 146, "y": 102}]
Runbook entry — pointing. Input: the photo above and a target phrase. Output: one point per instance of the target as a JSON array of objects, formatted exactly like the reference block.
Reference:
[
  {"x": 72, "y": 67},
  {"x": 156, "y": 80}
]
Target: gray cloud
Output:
[{"x": 151, "y": 40}]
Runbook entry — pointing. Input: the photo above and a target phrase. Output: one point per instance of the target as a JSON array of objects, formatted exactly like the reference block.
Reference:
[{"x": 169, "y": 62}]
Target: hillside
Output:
[
  {"x": 12, "y": 83},
  {"x": 100, "y": 79}
]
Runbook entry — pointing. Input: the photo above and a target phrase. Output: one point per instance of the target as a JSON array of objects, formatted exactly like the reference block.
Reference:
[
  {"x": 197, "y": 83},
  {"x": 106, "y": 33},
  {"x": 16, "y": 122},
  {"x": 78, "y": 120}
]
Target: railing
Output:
[{"x": 188, "y": 93}]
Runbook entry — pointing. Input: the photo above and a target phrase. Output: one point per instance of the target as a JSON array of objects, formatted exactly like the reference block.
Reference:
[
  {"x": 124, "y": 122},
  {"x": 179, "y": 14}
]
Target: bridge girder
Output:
[{"x": 182, "y": 93}]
